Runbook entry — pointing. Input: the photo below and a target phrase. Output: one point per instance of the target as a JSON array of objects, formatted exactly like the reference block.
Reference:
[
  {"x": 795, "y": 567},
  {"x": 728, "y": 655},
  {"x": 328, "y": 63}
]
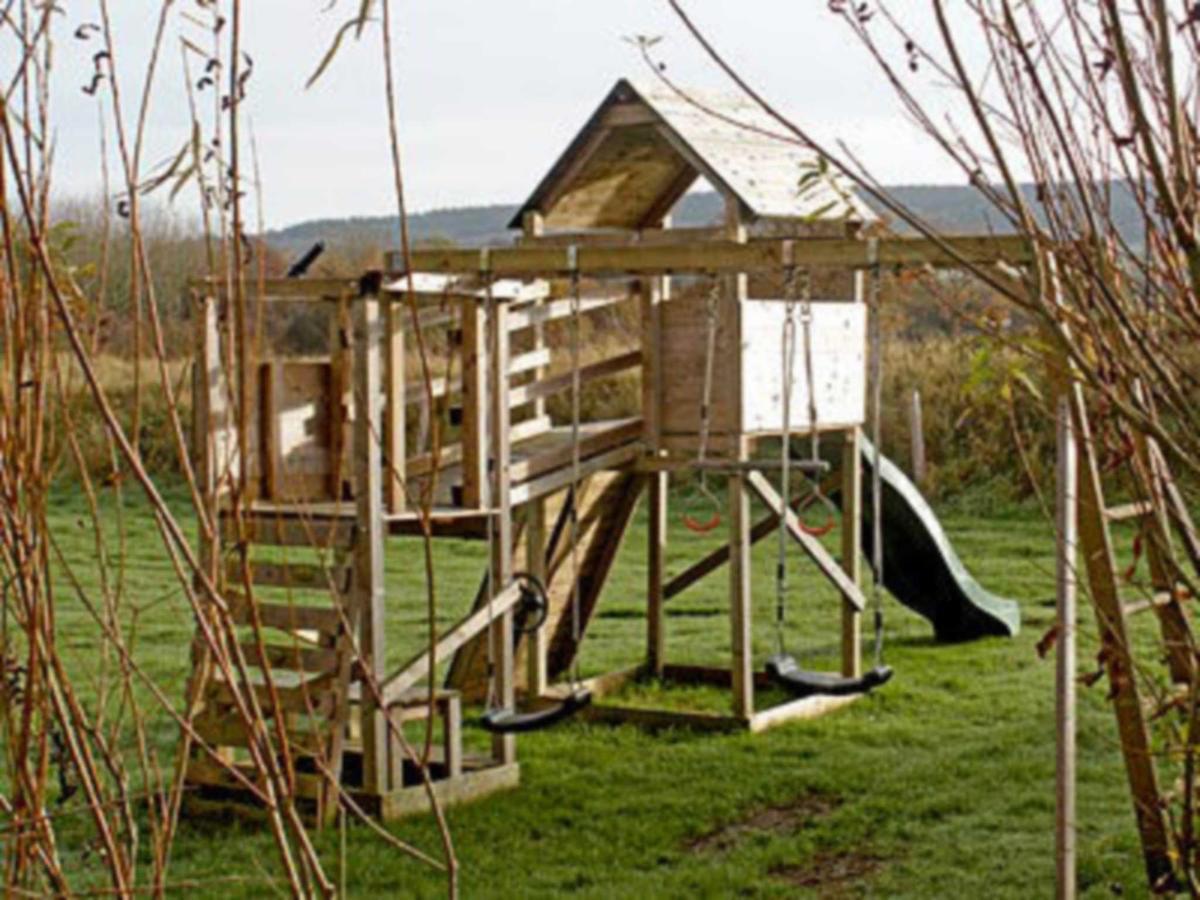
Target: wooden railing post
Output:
[
  {"x": 368, "y": 593},
  {"x": 474, "y": 404},
  {"x": 501, "y": 632},
  {"x": 396, "y": 402}
]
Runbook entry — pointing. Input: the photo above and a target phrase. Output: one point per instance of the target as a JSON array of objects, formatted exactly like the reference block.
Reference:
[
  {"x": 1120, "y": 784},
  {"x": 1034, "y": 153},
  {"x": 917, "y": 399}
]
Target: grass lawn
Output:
[{"x": 940, "y": 785}]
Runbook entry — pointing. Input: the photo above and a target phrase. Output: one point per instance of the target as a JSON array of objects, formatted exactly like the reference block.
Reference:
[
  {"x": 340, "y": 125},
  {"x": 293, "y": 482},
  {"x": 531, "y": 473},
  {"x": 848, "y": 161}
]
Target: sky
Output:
[{"x": 490, "y": 92}]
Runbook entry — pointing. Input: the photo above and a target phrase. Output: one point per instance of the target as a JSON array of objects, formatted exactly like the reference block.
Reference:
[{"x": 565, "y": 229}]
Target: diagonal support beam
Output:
[
  {"x": 810, "y": 545},
  {"x": 418, "y": 668},
  {"x": 713, "y": 561}
]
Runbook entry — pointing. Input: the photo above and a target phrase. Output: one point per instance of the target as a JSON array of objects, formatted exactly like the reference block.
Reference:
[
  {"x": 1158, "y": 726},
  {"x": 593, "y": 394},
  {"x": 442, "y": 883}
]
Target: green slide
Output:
[{"x": 920, "y": 567}]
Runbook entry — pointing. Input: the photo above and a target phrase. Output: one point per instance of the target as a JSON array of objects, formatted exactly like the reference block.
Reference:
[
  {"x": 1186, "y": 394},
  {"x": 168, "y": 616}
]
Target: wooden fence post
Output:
[{"x": 916, "y": 430}]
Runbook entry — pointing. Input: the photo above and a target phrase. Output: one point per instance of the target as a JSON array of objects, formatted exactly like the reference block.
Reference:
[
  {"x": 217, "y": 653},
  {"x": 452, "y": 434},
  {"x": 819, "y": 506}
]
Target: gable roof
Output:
[{"x": 646, "y": 144}]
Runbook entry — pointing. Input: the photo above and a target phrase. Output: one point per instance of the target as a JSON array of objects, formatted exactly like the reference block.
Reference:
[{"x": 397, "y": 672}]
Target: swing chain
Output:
[{"x": 788, "y": 356}]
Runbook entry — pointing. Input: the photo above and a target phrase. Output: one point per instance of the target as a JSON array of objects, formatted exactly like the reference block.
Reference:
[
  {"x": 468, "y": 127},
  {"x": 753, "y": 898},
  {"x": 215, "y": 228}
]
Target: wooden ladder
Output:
[
  {"x": 1143, "y": 460},
  {"x": 298, "y": 630}
]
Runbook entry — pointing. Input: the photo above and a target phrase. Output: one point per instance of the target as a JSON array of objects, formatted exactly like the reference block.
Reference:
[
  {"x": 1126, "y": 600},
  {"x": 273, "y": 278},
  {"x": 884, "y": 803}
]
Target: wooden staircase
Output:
[{"x": 295, "y": 640}]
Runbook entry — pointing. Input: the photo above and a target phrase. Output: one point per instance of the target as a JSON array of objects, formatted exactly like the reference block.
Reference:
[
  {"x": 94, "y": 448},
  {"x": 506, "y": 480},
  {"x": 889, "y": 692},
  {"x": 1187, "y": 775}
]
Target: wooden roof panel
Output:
[
  {"x": 629, "y": 169},
  {"x": 618, "y": 177}
]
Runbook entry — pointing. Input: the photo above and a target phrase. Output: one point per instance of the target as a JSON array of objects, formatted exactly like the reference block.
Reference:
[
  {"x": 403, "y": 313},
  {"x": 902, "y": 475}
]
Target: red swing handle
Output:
[
  {"x": 814, "y": 530},
  {"x": 702, "y": 527}
]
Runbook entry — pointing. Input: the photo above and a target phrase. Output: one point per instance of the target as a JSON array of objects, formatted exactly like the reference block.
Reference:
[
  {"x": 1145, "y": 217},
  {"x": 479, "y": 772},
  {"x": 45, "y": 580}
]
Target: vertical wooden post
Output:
[
  {"x": 209, "y": 420},
  {"x": 533, "y": 225},
  {"x": 341, "y": 380},
  {"x": 208, "y": 416},
  {"x": 739, "y": 598},
  {"x": 396, "y": 402},
  {"x": 501, "y": 631},
  {"x": 851, "y": 550},
  {"x": 657, "y": 484},
  {"x": 1067, "y": 496},
  {"x": 535, "y": 564},
  {"x": 852, "y": 501},
  {"x": 916, "y": 432},
  {"x": 741, "y": 620},
  {"x": 653, "y": 293},
  {"x": 474, "y": 404},
  {"x": 271, "y": 389},
  {"x": 368, "y": 591}
]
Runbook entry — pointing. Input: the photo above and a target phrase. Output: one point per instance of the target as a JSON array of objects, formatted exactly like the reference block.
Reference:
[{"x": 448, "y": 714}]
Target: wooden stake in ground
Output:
[
  {"x": 1064, "y": 826},
  {"x": 916, "y": 430}
]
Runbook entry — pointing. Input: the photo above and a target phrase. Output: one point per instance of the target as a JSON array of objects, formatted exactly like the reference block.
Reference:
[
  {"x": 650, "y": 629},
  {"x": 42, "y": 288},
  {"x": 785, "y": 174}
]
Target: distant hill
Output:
[{"x": 950, "y": 208}]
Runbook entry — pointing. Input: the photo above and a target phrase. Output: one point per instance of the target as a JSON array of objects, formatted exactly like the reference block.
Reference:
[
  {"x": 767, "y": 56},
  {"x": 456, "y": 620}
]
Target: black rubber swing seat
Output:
[
  {"x": 784, "y": 671},
  {"x": 509, "y": 721}
]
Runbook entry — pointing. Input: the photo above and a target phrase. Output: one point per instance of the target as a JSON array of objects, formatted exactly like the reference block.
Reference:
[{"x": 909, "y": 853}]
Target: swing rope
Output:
[
  {"x": 710, "y": 352},
  {"x": 782, "y": 668},
  {"x": 785, "y": 457},
  {"x": 816, "y": 495}
]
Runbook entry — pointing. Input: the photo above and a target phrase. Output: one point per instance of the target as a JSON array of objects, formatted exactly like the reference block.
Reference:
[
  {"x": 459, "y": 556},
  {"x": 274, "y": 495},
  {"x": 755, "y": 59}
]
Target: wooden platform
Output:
[{"x": 541, "y": 465}]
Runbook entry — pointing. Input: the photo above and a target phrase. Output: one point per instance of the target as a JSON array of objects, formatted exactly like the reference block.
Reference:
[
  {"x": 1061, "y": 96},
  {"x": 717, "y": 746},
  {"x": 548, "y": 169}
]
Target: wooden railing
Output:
[{"x": 306, "y": 407}]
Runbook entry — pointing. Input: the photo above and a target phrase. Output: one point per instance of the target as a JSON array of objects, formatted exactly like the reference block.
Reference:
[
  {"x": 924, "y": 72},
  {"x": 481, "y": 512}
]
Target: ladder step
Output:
[
  {"x": 298, "y": 576},
  {"x": 335, "y": 533},
  {"x": 1126, "y": 511},
  {"x": 315, "y": 697},
  {"x": 218, "y": 730},
  {"x": 204, "y": 772},
  {"x": 286, "y": 616},
  {"x": 295, "y": 658}
]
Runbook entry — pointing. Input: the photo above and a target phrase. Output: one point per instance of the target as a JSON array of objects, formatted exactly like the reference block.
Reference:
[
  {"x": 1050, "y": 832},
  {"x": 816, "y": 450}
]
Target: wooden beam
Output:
[
  {"x": 851, "y": 562},
  {"x": 395, "y": 405},
  {"x": 367, "y": 593},
  {"x": 659, "y": 487},
  {"x": 528, "y": 362},
  {"x": 474, "y": 405},
  {"x": 500, "y": 635},
  {"x": 740, "y": 611},
  {"x": 810, "y": 545},
  {"x": 590, "y": 443},
  {"x": 541, "y": 314},
  {"x": 618, "y": 458},
  {"x": 726, "y": 256},
  {"x": 293, "y": 289},
  {"x": 555, "y": 384},
  {"x": 420, "y": 666}
]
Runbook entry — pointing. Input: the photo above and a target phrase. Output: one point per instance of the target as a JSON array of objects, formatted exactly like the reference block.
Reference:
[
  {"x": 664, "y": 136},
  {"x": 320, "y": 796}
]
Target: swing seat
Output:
[
  {"x": 784, "y": 671},
  {"x": 510, "y": 721}
]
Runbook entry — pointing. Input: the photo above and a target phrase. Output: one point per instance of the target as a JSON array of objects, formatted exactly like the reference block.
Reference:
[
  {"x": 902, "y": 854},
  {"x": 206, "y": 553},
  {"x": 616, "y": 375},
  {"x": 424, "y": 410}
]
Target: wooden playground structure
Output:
[{"x": 335, "y": 452}]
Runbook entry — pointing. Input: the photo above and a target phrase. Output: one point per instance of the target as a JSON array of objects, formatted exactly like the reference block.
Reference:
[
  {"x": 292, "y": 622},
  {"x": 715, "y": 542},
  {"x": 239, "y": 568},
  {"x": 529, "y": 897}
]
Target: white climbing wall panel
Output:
[{"x": 839, "y": 352}]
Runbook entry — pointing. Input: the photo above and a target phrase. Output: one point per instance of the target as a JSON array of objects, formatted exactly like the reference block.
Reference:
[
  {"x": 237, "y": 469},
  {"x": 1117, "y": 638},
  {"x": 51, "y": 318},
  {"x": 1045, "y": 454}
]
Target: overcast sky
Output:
[{"x": 491, "y": 92}]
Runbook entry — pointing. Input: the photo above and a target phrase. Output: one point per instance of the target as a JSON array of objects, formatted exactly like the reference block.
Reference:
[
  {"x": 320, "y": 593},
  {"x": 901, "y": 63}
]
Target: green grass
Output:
[{"x": 941, "y": 784}]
